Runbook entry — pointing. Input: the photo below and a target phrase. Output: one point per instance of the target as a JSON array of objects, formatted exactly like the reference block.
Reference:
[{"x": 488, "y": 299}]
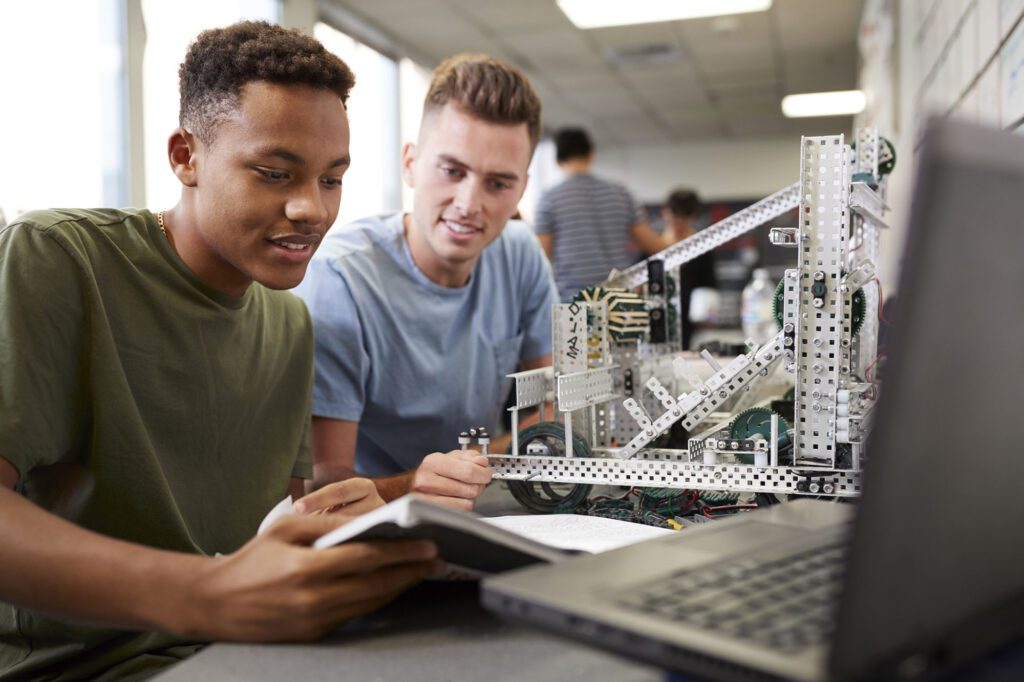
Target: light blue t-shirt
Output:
[{"x": 414, "y": 362}]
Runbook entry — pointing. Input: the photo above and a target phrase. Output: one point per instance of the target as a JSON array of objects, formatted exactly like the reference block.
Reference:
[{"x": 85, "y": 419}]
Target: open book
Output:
[{"x": 489, "y": 545}]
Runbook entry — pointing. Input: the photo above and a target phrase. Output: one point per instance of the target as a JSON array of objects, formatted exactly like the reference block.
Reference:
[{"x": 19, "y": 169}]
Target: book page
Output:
[
  {"x": 592, "y": 534},
  {"x": 280, "y": 510}
]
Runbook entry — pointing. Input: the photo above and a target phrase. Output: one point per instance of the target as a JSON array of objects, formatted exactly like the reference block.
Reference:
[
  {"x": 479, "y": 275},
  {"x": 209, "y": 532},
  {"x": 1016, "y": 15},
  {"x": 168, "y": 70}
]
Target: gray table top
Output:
[{"x": 435, "y": 632}]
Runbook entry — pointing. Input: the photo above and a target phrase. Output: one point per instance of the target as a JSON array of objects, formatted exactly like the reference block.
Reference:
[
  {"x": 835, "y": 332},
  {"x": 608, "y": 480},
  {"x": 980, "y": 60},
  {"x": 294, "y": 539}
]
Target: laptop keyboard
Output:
[{"x": 784, "y": 603}]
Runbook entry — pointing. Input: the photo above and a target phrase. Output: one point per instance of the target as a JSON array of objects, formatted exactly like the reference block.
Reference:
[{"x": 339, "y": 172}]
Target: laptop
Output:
[{"x": 926, "y": 571}]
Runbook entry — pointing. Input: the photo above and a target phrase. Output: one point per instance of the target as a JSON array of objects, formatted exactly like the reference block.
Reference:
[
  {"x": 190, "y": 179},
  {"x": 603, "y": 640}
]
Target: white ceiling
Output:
[{"x": 711, "y": 78}]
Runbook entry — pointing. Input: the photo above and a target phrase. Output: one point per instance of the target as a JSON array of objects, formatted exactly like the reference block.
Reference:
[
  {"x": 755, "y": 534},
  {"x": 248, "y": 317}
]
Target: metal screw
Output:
[
  {"x": 818, "y": 303},
  {"x": 819, "y": 276},
  {"x": 817, "y": 342}
]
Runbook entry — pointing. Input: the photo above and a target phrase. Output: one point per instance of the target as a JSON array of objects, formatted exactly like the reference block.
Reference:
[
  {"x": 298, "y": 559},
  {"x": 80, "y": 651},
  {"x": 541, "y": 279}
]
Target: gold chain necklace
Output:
[{"x": 160, "y": 222}]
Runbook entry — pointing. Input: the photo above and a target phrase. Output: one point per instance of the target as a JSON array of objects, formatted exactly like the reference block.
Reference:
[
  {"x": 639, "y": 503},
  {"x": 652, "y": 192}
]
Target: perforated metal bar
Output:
[
  {"x": 569, "y": 338},
  {"x": 533, "y": 387},
  {"x": 669, "y": 472},
  {"x": 695, "y": 406},
  {"x": 714, "y": 235},
  {"x": 868, "y": 203},
  {"x": 821, "y": 339},
  {"x": 583, "y": 389}
]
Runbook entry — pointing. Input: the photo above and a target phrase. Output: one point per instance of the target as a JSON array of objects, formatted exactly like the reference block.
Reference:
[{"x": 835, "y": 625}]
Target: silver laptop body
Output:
[{"x": 921, "y": 581}]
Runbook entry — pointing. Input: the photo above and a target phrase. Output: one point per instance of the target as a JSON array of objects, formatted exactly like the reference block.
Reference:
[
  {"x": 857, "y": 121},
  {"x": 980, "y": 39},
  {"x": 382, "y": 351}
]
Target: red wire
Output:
[
  {"x": 881, "y": 299},
  {"x": 867, "y": 375},
  {"x": 709, "y": 511},
  {"x": 859, "y": 244}
]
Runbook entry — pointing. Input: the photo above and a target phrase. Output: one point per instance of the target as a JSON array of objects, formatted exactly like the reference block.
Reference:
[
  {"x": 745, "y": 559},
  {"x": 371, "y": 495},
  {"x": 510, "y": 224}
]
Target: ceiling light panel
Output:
[{"x": 601, "y": 13}]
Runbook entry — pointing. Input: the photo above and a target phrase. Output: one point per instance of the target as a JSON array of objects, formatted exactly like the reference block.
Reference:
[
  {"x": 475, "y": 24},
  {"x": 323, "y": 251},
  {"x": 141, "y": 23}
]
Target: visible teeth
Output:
[
  {"x": 293, "y": 247},
  {"x": 459, "y": 228}
]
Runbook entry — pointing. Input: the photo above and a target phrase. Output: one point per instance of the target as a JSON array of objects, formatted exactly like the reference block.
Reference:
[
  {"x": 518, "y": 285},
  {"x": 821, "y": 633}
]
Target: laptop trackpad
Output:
[{"x": 741, "y": 536}]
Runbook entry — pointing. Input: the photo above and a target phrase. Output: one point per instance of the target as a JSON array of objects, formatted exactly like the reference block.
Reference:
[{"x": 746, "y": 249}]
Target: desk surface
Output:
[
  {"x": 433, "y": 633},
  {"x": 437, "y": 631}
]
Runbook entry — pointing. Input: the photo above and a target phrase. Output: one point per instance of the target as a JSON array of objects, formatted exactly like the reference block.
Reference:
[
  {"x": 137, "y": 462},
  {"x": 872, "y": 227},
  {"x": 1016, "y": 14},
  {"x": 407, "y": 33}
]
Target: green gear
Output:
[
  {"x": 886, "y": 157},
  {"x": 756, "y": 420},
  {"x": 670, "y": 286},
  {"x": 858, "y": 308}
]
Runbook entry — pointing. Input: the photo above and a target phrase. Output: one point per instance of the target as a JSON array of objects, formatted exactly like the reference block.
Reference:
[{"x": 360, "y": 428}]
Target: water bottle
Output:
[{"x": 756, "y": 308}]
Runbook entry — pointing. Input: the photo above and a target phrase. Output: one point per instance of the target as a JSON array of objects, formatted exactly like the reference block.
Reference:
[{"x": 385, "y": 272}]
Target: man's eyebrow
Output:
[
  {"x": 504, "y": 176},
  {"x": 292, "y": 157}
]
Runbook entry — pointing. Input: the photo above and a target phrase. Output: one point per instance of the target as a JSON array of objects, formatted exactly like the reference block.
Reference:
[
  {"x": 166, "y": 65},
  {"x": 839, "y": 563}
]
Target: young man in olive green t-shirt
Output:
[{"x": 155, "y": 389}]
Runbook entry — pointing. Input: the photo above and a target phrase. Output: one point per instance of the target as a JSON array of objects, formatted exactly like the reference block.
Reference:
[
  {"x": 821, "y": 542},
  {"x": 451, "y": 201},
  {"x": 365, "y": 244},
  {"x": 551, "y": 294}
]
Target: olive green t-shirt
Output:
[{"x": 139, "y": 403}]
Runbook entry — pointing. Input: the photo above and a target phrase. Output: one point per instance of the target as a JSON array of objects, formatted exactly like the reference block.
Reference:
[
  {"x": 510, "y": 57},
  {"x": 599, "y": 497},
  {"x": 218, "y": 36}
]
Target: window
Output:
[
  {"x": 544, "y": 173},
  {"x": 372, "y": 182},
  {"x": 170, "y": 27},
  {"x": 63, "y": 105},
  {"x": 413, "y": 83}
]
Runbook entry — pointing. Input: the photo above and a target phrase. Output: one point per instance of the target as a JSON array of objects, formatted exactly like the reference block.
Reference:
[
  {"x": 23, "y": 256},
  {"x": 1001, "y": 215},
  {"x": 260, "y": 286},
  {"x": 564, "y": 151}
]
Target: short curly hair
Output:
[
  {"x": 222, "y": 60},
  {"x": 486, "y": 88}
]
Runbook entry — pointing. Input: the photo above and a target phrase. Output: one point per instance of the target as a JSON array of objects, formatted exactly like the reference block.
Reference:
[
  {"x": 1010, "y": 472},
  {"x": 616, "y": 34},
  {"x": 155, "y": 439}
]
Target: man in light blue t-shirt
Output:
[{"x": 419, "y": 317}]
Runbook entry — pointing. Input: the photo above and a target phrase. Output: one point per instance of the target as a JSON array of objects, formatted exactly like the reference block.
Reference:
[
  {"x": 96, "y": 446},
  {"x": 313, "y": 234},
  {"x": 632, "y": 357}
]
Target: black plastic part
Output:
[
  {"x": 655, "y": 276},
  {"x": 657, "y": 325}
]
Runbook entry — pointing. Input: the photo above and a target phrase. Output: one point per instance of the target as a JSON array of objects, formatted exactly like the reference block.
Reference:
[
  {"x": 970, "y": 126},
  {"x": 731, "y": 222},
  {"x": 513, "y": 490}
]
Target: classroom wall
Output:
[
  {"x": 959, "y": 58},
  {"x": 717, "y": 169}
]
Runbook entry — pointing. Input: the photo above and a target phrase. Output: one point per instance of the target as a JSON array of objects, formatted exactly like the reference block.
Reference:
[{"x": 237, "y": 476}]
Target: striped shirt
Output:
[{"x": 590, "y": 220}]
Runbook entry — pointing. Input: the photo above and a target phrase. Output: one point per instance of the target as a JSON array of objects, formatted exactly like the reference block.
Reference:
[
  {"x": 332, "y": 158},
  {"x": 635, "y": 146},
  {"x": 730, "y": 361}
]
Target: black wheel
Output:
[{"x": 545, "y": 497}]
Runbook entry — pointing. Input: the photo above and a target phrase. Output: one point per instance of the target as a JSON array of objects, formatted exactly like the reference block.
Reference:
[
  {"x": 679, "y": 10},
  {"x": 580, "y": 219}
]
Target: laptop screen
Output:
[{"x": 936, "y": 570}]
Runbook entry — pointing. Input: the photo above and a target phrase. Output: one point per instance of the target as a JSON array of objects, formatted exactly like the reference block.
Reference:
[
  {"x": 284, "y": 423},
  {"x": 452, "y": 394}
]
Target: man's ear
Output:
[
  {"x": 408, "y": 160},
  {"x": 181, "y": 152}
]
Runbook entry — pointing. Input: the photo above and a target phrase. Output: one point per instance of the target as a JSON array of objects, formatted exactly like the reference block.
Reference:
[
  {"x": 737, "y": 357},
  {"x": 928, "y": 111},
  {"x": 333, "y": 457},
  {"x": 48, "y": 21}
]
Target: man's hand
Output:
[
  {"x": 452, "y": 479},
  {"x": 276, "y": 588},
  {"x": 351, "y": 497}
]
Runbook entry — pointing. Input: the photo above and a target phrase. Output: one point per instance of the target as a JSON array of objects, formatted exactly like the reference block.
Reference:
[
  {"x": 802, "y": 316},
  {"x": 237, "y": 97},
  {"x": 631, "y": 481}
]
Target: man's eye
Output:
[
  {"x": 451, "y": 171},
  {"x": 500, "y": 184},
  {"x": 332, "y": 182},
  {"x": 272, "y": 174}
]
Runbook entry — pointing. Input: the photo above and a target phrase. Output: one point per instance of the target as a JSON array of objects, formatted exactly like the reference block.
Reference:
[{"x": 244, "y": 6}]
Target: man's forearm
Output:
[
  {"x": 54, "y": 566},
  {"x": 388, "y": 487},
  {"x": 393, "y": 487}
]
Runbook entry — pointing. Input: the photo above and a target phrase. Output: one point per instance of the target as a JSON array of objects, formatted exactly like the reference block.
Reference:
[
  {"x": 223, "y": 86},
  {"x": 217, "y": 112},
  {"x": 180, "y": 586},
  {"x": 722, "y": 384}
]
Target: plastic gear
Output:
[
  {"x": 757, "y": 420},
  {"x": 886, "y": 157},
  {"x": 858, "y": 308}
]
